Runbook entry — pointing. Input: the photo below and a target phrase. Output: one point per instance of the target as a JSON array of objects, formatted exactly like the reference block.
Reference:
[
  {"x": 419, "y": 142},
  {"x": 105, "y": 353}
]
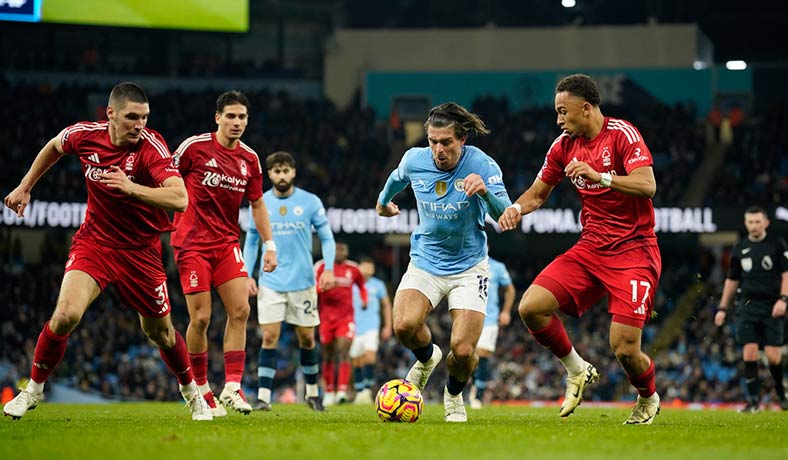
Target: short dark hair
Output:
[
  {"x": 126, "y": 92},
  {"x": 452, "y": 114},
  {"x": 367, "y": 259},
  {"x": 279, "y": 157},
  {"x": 231, "y": 98},
  {"x": 580, "y": 85},
  {"x": 756, "y": 210}
]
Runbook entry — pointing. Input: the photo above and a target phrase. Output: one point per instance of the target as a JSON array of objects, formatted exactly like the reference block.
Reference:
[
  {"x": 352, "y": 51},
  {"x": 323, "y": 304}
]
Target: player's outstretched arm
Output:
[
  {"x": 171, "y": 195},
  {"x": 18, "y": 199},
  {"x": 250, "y": 252},
  {"x": 385, "y": 310},
  {"x": 728, "y": 291},
  {"x": 263, "y": 224},
  {"x": 328, "y": 246},
  {"x": 531, "y": 200},
  {"x": 394, "y": 185},
  {"x": 779, "y": 308},
  {"x": 497, "y": 202},
  {"x": 506, "y": 310},
  {"x": 639, "y": 182}
]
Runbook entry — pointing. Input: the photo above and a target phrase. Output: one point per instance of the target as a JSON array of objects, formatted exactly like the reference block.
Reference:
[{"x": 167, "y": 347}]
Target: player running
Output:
[
  {"x": 617, "y": 254},
  {"x": 455, "y": 185},
  {"x": 219, "y": 171}
]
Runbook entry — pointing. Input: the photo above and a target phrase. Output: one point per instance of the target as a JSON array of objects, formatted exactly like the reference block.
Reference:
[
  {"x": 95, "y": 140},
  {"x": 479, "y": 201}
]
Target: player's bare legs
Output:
[
  {"x": 411, "y": 308},
  {"x": 77, "y": 291},
  {"x": 199, "y": 306},
  {"x": 309, "y": 365},
  {"x": 466, "y": 329},
  {"x": 625, "y": 341},
  {"x": 235, "y": 297},
  {"x": 537, "y": 310},
  {"x": 172, "y": 349}
]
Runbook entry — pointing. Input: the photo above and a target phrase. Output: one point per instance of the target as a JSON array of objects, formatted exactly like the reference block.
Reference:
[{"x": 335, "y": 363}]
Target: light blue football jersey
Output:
[
  {"x": 292, "y": 219},
  {"x": 450, "y": 237},
  {"x": 369, "y": 319},
  {"x": 499, "y": 276}
]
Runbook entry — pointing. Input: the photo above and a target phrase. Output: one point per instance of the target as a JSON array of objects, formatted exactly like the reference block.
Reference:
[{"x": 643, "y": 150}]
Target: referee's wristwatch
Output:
[{"x": 784, "y": 298}]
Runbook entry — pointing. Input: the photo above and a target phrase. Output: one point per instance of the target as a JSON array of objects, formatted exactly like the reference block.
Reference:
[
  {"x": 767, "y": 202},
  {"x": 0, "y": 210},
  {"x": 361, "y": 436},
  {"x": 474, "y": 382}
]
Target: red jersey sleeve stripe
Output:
[
  {"x": 85, "y": 126},
  {"x": 191, "y": 140},
  {"x": 557, "y": 140},
  {"x": 629, "y": 130},
  {"x": 251, "y": 150},
  {"x": 156, "y": 144}
]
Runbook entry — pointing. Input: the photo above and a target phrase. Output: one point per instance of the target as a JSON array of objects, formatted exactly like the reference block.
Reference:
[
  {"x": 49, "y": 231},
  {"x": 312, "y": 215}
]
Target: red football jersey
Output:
[
  {"x": 337, "y": 302},
  {"x": 113, "y": 218},
  {"x": 217, "y": 179},
  {"x": 612, "y": 221}
]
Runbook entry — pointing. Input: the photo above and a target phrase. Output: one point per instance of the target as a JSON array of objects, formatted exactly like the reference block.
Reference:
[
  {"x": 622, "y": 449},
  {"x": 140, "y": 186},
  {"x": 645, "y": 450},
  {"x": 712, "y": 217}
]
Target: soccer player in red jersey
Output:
[
  {"x": 337, "y": 328},
  {"x": 617, "y": 254},
  {"x": 131, "y": 182},
  {"x": 219, "y": 171}
]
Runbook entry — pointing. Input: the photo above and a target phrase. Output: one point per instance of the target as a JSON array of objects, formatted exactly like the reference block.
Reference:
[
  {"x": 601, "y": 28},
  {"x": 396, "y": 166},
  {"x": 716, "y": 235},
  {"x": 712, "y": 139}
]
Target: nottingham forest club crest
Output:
[{"x": 243, "y": 168}]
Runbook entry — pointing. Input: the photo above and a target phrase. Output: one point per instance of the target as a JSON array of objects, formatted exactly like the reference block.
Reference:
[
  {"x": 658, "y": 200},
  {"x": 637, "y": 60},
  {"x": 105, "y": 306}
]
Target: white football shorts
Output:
[
  {"x": 298, "y": 308},
  {"x": 488, "y": 338},
  {"x": 465, "y": 291},
  {"x": 368, "y": 341}
]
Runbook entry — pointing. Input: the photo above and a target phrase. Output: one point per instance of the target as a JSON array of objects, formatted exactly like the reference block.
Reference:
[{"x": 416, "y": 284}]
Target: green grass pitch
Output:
[{"x": 165, "y": 431}]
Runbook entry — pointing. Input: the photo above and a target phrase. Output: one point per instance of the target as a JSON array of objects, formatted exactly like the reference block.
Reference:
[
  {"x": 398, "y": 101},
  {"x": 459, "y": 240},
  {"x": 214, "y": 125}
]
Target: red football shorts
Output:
[
  {"x": 580, "y": 277},
  {"x": 332, "y": 328},
  {"x": 137, "y": 274},
  {"x": 205, "y": 268}
]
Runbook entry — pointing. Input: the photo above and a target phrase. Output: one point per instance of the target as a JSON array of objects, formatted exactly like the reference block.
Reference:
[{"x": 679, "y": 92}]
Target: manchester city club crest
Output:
[
  {"x": 282, "y": 210},
  {"x": 459, "y": 185},
  {"x": 298, "y": 210},
  {"x": 440, "y": 188}
]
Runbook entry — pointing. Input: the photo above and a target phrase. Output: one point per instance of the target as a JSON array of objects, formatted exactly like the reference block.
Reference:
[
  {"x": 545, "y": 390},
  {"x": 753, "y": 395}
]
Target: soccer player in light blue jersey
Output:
[
  {"x": 289, "y": 294},
  {"x": 498, "y": 315},
  {"x": 455, "y": 186},
  {"x": 370, "y": 330}
]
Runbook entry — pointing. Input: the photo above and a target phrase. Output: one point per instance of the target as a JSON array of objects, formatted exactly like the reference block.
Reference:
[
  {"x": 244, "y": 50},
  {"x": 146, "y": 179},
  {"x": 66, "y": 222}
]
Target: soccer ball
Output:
[{"x": 399, "y": 401}]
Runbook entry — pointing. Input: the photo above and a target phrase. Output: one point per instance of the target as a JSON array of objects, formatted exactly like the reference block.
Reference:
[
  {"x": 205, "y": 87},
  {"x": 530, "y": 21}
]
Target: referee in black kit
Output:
[{"x": 759, "y": 271}]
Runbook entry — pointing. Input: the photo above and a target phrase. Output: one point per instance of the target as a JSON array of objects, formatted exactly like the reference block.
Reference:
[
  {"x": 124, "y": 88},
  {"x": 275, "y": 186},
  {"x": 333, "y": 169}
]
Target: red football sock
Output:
[
  {"x": 50, "y": 349},
  {"x": 199, "y": 363},
  {"x": 645, "y": 383},
  {"x": 328, "y": 375},
  {"x": 234, "y": 365},
  {"x": 554, "y": 338},
  {"x": 177, "y": 359},
  {"x": 344, "y": 376}
]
